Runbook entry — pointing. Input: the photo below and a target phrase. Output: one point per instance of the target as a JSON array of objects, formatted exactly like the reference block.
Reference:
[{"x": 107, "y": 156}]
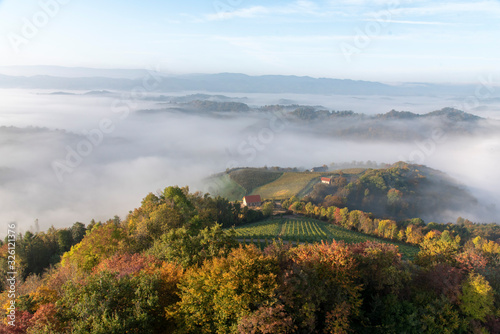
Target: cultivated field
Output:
[{"x": 309, "y": 230}]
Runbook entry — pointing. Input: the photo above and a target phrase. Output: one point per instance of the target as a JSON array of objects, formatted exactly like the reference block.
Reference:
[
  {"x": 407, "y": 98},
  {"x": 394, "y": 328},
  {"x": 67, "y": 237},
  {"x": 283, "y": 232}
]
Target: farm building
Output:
[
  {"x": 326, "y": 180},
  {"x": 252, "y": 200}
]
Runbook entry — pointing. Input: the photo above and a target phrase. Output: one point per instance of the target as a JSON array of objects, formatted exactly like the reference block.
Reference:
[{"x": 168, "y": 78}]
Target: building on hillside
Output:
[
  {"x": 326, "y": 180},
  {"x": 252, "y": 200}
]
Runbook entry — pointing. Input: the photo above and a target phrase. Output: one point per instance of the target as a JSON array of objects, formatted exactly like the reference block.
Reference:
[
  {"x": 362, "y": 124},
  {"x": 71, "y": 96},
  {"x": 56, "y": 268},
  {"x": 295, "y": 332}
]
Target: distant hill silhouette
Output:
[{"x": 53, "y": 77}]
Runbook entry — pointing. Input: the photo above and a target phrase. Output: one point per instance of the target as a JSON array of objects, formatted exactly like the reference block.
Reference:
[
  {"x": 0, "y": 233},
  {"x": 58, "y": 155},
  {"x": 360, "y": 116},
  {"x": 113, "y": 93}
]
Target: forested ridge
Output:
[{"x": 173, "y": 265}]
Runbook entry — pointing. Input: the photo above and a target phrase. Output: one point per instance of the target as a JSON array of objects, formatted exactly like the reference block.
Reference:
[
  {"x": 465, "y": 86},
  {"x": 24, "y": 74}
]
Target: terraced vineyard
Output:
[
  {"x": 303, "y": 229},
  {"x": 309, "y": 230},
  {"x": 264, "y": 229}
]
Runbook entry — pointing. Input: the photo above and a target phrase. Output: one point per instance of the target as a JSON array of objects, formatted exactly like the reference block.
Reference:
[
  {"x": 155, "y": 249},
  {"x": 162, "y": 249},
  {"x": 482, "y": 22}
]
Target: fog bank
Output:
[{"x": 68, "y": 158}]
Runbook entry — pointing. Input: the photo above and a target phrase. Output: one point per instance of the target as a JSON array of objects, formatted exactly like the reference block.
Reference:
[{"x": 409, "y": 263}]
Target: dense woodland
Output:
[
  {"x": 401, "y": 191},
  {"x": 173, "y": 266}
]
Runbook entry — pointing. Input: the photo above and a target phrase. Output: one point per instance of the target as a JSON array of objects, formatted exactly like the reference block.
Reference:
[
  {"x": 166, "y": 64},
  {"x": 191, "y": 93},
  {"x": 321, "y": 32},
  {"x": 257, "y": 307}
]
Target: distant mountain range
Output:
[{"x": 53, "y": 77}]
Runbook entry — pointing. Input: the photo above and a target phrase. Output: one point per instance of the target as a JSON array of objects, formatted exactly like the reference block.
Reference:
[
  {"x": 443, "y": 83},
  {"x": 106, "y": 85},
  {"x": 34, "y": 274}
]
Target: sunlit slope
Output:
[
  {"x": 298, "y": 183},
  {"x": 288, "y": 185},
  {"x": 269, "y": 183}
]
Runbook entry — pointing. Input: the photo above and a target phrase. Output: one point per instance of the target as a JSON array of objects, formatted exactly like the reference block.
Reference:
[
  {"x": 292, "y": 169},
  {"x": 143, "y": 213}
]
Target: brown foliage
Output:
[
  {"x": 443, "y": 279},
  {"x": 319, "y": 278},
  {"x": 125, "y": 264},
  {"x": 267, "y": 320},
  {"x": 471, "y": 259},
  {"x": 22, "y": 322},
  {"x": 45, "y": 320}
]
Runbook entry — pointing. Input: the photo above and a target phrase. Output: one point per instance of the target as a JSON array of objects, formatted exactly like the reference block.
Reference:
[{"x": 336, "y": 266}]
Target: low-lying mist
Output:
[{"x": 68, "y": 158}]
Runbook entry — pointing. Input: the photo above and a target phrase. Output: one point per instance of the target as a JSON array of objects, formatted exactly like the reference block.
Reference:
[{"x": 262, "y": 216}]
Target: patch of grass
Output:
[
  {"x": 252, "y": 178},
  {"x": 288, "y": 185}
]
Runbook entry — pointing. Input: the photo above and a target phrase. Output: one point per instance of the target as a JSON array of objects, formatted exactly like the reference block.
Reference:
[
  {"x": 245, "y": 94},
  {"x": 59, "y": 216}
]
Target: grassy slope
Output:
[
  {"x": 288, "y": 185},
  {"x": 297, "y": 183},
  {"x": 311, "y": 230},
  {"x": 271, "y": 184},
  {"x": 251, "y": 178}
]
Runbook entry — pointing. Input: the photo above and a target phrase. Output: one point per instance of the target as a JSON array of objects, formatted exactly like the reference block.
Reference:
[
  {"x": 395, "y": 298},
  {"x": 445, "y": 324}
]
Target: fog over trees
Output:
[{"x": 80, "y": 154}]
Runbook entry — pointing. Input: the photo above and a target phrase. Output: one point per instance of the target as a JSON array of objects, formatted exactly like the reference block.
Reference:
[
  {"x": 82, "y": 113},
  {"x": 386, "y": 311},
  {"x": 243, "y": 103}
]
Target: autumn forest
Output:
[{"x": 174, "y": 265}]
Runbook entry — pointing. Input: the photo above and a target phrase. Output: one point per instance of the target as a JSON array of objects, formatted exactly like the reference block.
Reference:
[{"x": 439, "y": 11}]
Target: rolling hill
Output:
[{"x": 400, "y": 191}]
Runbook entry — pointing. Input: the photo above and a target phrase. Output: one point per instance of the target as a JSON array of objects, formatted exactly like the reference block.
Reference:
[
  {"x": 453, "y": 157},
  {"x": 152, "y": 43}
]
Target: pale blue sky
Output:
[{"x": 392, "y": 41}]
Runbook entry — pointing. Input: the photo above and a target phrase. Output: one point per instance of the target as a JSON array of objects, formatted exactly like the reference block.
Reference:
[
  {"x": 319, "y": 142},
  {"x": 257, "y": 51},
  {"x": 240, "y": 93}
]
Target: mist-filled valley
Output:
[{"x": 72, "y": 155}]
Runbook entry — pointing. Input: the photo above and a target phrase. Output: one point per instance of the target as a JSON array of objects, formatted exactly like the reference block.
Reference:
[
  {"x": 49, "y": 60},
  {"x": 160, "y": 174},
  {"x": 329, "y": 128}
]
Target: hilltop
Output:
[{"x": 399, "y": 191}]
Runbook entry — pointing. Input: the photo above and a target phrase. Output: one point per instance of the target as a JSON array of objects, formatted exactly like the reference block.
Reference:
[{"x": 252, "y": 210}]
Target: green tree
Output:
[
  {"x": 267, "y": 209},
  {"x": 108, "y": 303},
  {"x": 187, "y": 248},
  {"x": 36, "y": 252},
  {"x": 477, "y": 297},
  {"x": 64, "y": 240},
  {"x": 78, "y": 231}
]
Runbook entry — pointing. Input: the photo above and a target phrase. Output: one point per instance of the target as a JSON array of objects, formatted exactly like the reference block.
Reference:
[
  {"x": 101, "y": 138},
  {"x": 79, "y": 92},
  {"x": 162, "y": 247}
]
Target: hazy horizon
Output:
[{"x": 138, "y": 73}]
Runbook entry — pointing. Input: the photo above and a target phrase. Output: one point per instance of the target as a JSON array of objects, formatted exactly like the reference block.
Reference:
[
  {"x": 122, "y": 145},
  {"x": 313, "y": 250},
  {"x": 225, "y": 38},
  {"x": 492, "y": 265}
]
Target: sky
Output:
[{"x": 389, "y": 41}]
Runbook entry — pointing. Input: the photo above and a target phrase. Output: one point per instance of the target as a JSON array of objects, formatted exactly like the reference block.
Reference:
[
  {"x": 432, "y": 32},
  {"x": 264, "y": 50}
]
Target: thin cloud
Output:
[
  {"x": 487, "y": 7},
  {"x": 413, "y": 22},
  {"x": 366, "y": 2},
  {"x": 341, "y": 8},
  {"x": 249, "y": 12},
  {"x": 298, "y": 7},
  {"x": 284, "y": 38}
]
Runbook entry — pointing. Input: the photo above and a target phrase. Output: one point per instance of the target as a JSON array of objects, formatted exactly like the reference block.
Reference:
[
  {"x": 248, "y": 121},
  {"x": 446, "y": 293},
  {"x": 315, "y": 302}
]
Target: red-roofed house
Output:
[
  {"x": 252, "y": 200},
  {"x": 326, "y": 180}
]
